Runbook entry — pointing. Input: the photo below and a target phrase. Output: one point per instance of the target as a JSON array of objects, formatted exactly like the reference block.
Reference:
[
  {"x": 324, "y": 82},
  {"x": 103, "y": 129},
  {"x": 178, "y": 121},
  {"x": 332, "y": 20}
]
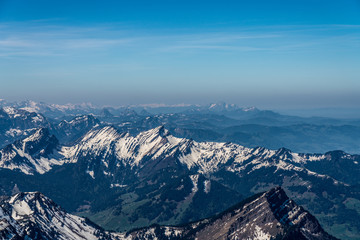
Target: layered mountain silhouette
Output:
[
  {"x": 270, "y": 215},
  {"x": 118, "y": 178},
  {"x": 129, "y": 175}
]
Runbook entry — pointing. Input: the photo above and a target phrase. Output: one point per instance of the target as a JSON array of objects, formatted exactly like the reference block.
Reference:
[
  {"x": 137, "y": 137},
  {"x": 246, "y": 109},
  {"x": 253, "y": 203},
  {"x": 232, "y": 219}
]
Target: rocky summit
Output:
[{"x": 269, "y": 215}]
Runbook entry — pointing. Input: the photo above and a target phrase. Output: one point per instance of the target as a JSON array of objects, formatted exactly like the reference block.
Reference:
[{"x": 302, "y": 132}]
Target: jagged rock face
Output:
[
  {"x": 17, "y": 123},
  {"x": 69, "y": 131},
  {"x": 8, "y": 226},
  {"x": 40, "y": 144},
  {"x": 151, "y": 148},
  {"x": 32, "y": 154},
  {"x": 264, "y": 216},
  {"x": 22, "y": 119},
  {"x": 157, "y": 148},
  {"x": 181, "y": 178},
  {"x": 271, "y": 215},
  {"x": 34, "y": 216}
]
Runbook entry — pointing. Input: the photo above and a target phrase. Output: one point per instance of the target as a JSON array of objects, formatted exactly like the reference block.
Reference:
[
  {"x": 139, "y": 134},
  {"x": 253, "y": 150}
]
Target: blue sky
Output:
[{"x": 270, "y": 54}]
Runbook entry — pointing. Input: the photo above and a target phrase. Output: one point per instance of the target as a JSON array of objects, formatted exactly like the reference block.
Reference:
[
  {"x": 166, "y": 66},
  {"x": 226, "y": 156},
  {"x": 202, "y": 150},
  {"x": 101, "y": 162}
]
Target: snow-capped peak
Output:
[
  {"x": 101, "y": 136},
  {"x": 108, "y": 144},
  {"x": 33, "y": 214},
  {"x": 37, "y": 135},
  {"x": 34, "y": 154},
  {"x": 151, "y": 134},
  {"x": 10, "y": 110}
]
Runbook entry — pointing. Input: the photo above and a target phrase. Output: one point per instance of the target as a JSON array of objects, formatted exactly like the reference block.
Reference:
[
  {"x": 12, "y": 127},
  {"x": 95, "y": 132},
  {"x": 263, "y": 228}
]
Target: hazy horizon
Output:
[
  {"x": 279, "y": 55},
  {"x": 331, "y": 112}
]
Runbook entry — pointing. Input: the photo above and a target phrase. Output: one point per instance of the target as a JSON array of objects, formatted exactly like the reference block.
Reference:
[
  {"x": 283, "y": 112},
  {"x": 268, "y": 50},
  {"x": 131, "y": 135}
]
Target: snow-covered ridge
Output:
[
  {"x": 155, "y": 144},
  {"x": 32, "y": 213},
  {"x": 204, "y": 157},
  {"x": 36, "y": 153},
  {"x": 23, "y": 113},
  {"x": 79, "y": 119}
]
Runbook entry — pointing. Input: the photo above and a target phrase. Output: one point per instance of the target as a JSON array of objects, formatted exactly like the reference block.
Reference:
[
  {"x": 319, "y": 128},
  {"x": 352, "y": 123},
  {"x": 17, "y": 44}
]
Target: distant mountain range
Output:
[
  {"x": 128, "y": 168},
  {"x": 220, "y": 122},
  {"x": 270, "y": 215},
  {"x": 57, "y": 111}
]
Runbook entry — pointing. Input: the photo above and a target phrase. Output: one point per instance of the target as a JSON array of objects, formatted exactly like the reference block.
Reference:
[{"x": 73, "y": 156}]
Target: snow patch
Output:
[
  {"x": 259, "y": 234},
  {"x": 194, "y": 179},
  {"x": 117, "y": 185},
  {"x": 91, "y": 173},
  {"x": 207, "y": 186}
]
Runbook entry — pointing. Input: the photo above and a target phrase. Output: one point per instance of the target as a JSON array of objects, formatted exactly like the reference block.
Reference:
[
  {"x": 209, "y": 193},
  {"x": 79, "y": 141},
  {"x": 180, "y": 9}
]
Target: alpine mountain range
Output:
[{"x": 176, "y": 172}]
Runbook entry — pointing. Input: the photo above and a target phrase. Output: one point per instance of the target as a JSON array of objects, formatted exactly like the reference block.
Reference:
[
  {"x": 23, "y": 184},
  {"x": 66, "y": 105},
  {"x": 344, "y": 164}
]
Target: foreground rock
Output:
[{"x": 270, "y": 215}]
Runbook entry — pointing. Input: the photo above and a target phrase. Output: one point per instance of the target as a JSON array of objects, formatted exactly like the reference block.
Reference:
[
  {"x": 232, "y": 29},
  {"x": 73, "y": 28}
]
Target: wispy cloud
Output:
[
  {"x": 14, "y": 43},
  {"x": 46, "y": 40},
  {"x": 216, "y": 41},
  {"x": 43, "y": 39},
  {"x": 29, "y": 54},
  {"x": 91, "y": 43},
  {"x": 210, "y": 47}
]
